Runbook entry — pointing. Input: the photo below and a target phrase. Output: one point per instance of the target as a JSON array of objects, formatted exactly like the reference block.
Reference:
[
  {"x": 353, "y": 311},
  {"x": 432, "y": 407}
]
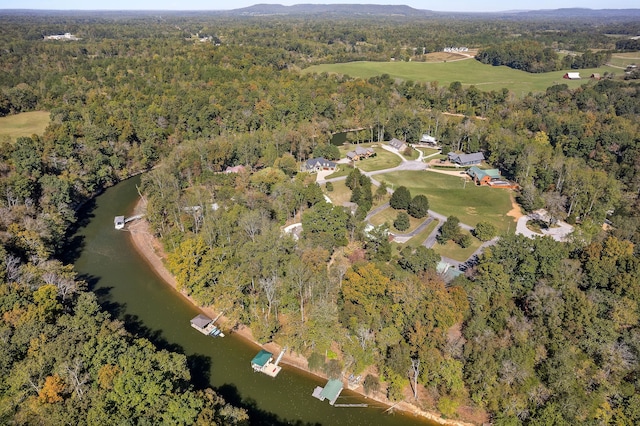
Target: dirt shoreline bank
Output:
[{"x": 152, "y": 251}]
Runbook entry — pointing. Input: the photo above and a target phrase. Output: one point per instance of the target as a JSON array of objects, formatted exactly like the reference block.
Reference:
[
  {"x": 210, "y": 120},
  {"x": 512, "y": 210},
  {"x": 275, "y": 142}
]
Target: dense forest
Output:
[{"x": 538, "y": 332}]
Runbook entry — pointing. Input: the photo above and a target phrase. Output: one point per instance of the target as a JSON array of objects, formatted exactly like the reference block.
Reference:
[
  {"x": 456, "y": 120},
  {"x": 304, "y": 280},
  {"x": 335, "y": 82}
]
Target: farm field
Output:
[
  {"x": 449, "y": 196},
  {"x": 24, "y": 124},
  {"x": 623, "y": 59},
  {"x": 468, "y": 72}
]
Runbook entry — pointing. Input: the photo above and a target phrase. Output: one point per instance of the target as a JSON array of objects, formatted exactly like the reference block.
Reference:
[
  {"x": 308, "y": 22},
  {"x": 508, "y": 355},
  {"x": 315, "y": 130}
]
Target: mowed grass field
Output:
[
  {"x": 624, "y": 59},
  {"x": 468, "y": 72},
  {"x": 448, "y": 195},
  {"x": 24, "y": 124}
]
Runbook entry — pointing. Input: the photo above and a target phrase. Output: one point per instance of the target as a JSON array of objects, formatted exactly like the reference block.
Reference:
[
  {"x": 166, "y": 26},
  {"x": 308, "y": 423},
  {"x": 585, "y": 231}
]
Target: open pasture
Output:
[
  {"x": 24, "y": 124},
  {"x": 468, "y": 72}
]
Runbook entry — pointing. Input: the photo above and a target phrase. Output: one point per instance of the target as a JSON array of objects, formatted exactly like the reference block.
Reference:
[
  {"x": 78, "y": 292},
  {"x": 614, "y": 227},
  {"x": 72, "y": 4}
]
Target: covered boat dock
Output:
[
  {"x": 331, "y": 391},
  {"x": 262, "y": 363}
]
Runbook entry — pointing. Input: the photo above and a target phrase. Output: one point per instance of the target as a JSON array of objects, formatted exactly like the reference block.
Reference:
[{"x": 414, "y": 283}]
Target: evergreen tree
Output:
[
  {"x": 400, "y": 198},
  {"x": 419, "y": 206}
]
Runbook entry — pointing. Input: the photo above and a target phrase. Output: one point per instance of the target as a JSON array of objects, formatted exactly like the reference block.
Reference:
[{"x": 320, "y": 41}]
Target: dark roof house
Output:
[
  {"x": 318, "y": 164},
  {"x": 466, "y": 159},
  {"x": 397, "y": 144}
]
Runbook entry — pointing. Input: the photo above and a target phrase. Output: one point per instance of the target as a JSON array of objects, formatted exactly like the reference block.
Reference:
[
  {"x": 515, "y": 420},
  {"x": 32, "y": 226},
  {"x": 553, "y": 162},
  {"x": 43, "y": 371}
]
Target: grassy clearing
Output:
[
  {"x": 389, "y": 215},
  {"x": 454, "y": 251},
  {"x": 449, "y": 195},
  {"x": 468, "y": 72},
  {"x": 24, "y": 124},
  {"x": 383, "y": 159},
  {"x": 624, "y": 59},
  {"x": 340, "y": 194},
  {"x": 426, "y": 152}
]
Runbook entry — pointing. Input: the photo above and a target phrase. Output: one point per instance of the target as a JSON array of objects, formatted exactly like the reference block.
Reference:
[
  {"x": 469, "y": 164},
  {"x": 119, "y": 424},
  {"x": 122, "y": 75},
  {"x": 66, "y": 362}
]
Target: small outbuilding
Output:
[{"x": 572, "y": 76}]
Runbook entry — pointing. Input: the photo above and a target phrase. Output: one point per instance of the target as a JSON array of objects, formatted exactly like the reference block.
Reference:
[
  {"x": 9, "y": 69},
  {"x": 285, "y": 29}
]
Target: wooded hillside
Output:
[{"x": 537, "y": 332}]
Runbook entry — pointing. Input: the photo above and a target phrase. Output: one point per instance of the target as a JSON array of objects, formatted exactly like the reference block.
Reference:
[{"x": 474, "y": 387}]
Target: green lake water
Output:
[{"x": 130, "y": 290}]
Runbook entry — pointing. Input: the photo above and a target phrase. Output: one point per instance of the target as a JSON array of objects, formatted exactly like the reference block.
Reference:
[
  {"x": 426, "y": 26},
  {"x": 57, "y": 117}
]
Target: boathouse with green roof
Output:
[{"x": 331, "y": 391}]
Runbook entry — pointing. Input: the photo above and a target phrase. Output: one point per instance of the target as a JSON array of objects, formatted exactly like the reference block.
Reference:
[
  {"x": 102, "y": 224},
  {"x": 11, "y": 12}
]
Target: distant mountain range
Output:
[{"x": 367, "y": 10}]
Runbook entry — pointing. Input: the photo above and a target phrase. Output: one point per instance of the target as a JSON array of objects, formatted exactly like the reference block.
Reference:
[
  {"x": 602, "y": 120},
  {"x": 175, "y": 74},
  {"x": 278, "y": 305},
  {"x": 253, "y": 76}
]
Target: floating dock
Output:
[
  {"x": 262, "y": 363},
  {"x": 119, "y": 221},
  {"x": 331, "y": 391},
  {"x": 206, "y": 326}
]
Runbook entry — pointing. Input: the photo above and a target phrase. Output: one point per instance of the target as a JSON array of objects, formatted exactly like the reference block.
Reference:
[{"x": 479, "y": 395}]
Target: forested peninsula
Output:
[{"x": 218, "y": 112}]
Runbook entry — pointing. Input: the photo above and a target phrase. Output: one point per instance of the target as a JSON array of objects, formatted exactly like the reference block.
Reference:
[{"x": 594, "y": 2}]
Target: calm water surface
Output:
[{"x": 130, "y": 289}]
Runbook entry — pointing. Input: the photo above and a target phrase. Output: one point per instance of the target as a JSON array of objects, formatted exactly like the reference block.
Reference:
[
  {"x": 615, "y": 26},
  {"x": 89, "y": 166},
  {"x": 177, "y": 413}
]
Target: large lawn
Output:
[
  {"x": 449, "y": 195},
  {"x": 24, "y": 124},
  {"x": 468, "y": 72}
]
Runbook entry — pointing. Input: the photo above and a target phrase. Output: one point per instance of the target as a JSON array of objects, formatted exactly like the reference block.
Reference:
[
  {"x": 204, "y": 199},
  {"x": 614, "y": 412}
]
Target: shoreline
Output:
[{"x": 150, "y": 249}]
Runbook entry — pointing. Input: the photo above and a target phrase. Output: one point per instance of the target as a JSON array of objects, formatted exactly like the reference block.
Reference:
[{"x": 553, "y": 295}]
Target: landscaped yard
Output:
[
  {"x": 24, "y": 124},
  {"x": 382, "y": 160},
  {"x": 448, "y": 195},
  {"x": 343, "y": 170},
  {"x": 341, "y": 194},
  {"x": 468, "y": 72},
  {"x": 454, "y": 251},
  {"x": 389, "y": 215}
]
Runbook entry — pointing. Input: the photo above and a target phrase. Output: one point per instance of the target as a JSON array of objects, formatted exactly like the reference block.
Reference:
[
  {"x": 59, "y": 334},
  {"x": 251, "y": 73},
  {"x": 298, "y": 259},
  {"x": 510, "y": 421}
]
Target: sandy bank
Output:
[{"x": 151, "y": 250}]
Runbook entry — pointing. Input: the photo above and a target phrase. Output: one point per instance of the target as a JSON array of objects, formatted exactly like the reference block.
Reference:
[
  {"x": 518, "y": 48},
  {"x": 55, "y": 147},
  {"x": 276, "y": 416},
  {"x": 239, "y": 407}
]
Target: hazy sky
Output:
[{"x": 447, "y": 5}]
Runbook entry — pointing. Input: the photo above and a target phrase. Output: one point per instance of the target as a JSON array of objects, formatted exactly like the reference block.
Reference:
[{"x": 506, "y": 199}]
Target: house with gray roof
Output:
[
  {"x": 315, "y": 165},
  {"x": 397, "y": 144},
  {"x": 466, "y": 159}
]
